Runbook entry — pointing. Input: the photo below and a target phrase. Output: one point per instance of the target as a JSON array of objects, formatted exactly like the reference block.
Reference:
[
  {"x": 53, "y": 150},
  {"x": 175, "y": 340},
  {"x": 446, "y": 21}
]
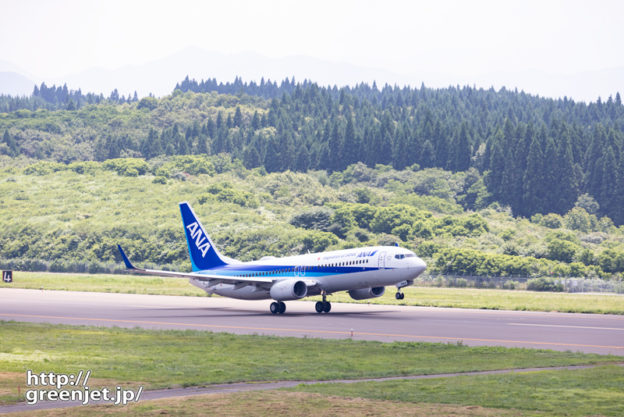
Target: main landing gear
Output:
[
  {"x": 399, "y": 295},
  {"x": 278, "y": 307},
  {"x": 323, "y": 306}
]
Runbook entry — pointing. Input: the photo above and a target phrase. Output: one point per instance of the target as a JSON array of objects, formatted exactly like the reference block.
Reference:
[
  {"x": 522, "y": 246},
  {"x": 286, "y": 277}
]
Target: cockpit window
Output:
[{"x": 404, "y": 255}]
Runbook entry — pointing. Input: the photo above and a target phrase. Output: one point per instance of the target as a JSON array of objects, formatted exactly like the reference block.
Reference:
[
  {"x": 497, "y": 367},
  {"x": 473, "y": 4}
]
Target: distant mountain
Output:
[
  {"x": 15, "y": 84},
  {"x": 159, "y": 77}
]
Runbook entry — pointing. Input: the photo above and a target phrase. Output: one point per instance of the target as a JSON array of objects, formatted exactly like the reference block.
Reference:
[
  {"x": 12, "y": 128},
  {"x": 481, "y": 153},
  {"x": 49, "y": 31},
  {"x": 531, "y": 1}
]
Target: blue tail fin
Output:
[{"x": 203, "y": 253}]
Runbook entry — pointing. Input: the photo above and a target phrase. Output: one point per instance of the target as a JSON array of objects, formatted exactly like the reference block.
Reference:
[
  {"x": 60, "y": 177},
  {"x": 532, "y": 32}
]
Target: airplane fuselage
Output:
[{"x": 342, "y": 270}]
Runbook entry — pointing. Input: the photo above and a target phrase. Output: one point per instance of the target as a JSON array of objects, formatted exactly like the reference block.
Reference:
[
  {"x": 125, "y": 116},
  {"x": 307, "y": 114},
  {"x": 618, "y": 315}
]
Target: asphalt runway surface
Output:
[{"x": 594, "y": 333}]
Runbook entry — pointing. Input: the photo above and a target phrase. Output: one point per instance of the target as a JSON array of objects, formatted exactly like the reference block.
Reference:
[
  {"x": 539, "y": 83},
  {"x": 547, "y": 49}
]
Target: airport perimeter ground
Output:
[{"x": 163, "y": 354}]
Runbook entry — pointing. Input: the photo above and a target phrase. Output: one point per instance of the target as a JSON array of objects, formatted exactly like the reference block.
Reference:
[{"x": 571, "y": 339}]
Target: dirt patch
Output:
[{"x": 272, "y": 403}]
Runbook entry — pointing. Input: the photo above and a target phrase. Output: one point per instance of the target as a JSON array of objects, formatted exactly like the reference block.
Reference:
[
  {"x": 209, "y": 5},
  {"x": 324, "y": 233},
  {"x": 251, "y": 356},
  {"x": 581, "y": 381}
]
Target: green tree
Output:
[
  {"x": 151, "y": 146},
  {"x": 238, "y": 117},
  {"x": 11, "y": 143},
  {"x": 608, "y": 197},
  {"x": 564, "y": 176},
  {"x": 462, "y": 152},
  {"x": 350, "y": 150},
  {"x": 561, "y": 250},
  {"x": 535, "y": 186},
  {"x": 336, "y": 148},
  {"x": 251, "y": 157}
]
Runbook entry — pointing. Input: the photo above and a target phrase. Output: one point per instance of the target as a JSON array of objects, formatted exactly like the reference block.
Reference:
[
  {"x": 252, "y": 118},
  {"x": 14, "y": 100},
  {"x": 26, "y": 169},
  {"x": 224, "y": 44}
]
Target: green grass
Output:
[
  {"x": 171, "y": 358},
  {"x": 597, "y": 391},
  {"x": 128, "y": 284},
  {"x": 416, "y": 296},
  {"x": 276, "y": 403}
]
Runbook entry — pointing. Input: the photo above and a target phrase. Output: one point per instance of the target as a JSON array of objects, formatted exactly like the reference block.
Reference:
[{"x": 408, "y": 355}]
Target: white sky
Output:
[{"x": 48, "y": 38}]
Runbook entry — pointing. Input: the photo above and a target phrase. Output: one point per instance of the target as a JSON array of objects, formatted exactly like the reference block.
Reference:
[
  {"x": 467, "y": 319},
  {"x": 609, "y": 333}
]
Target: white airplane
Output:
[{"x": 363, "y": 272}]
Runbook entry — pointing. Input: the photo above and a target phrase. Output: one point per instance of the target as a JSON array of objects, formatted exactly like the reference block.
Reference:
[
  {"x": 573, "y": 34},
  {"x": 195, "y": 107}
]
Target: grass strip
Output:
[
  {"x": 276, "y": 403},
  {"x": 594, "y": 391},
  {"x": 125, "y": 284},
  {"x": 164, "y": 358}
]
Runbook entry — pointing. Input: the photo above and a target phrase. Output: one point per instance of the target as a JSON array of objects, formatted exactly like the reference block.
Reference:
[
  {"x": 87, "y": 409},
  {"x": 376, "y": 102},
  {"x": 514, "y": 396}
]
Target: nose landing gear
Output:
[{"x": 399, "y": 295}]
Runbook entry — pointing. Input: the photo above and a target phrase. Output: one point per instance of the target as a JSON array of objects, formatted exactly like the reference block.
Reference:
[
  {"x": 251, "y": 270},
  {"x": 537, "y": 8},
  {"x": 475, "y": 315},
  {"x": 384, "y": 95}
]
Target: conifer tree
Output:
[
  {"x": 336, "y": 147},
  {"x": 400, "y": 153},
  {"x": 251, "y": 157},
  {"x": 566, "y": 191},
  {"x": 303, "y": 159},
  {"x": 238, "y": 117},
  {"x": 534, "y": 179},
  {"x": 607, "y": 194},
  {"x": 428, "y": 155},
  {"x": 462, "y": 152},
  {"x": 618, "y": 212},
  {"x": 350, "y": 148}
]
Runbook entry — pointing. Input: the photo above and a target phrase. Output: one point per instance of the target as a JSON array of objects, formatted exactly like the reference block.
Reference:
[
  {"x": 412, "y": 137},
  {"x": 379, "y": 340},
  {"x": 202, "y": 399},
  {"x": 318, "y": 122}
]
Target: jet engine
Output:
[
  {"x": 288, "y": 289},
  {"x": 364, "y": 293}
]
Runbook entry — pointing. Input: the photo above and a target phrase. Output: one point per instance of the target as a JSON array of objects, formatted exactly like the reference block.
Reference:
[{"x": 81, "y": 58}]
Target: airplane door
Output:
[{"x": 381, "y": 261}]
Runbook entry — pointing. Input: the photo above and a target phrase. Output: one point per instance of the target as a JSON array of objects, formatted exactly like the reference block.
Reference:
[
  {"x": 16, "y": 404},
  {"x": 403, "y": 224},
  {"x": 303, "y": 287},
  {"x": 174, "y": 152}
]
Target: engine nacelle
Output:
[
  {"x": 288, "y": 289},
  {"x": 364, "y": 293}
]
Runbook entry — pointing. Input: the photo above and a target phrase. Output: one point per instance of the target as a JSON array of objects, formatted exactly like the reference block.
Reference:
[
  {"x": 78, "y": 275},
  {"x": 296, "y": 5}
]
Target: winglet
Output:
[{"x": 125, "y": 258}]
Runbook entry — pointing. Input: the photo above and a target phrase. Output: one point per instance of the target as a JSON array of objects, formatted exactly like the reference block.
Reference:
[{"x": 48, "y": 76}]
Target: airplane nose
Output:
[{"x": 419, "y": 265}]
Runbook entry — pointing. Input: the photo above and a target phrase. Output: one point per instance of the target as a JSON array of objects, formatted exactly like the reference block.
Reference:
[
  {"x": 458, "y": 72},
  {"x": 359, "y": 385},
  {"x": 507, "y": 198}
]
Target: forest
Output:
[
  {"x": 536, "y": 155},
  {"x": 477, "y": 182}
]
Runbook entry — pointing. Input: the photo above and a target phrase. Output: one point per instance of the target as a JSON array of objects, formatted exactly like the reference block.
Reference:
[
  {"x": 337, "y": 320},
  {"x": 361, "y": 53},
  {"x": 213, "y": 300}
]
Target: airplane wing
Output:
[{"x": 195, "y": 275}]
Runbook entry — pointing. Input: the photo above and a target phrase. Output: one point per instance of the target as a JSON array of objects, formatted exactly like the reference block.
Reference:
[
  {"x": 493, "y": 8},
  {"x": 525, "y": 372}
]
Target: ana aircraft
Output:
[{"x": 363, "y": 272}]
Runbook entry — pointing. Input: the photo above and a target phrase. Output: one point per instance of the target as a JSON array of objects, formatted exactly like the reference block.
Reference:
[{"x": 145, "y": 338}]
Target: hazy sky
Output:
[{"x": 462, "y": 38}]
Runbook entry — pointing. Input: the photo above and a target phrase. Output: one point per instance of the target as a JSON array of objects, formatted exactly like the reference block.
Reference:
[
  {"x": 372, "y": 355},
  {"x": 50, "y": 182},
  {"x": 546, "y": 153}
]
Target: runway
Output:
[{"x": 593, "y": 333}]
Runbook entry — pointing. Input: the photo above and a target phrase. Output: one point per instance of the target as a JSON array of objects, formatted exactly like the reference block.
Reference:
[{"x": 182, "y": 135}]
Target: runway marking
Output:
[
  {"x": 336, "y": 332},
  {"x": 566, "y": 326}
]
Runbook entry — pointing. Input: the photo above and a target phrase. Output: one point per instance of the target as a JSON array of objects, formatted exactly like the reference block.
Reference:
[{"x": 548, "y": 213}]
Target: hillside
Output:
[
  {"x": 71, "y": 217},
  {"x": 535, "y": 155},
  {"x": 477, "y": 182}
]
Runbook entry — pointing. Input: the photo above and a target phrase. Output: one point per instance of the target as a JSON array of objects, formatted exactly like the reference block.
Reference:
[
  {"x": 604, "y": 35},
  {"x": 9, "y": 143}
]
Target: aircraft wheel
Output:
[
  {"x": 399, "y": 296},
  {"x": 282, "y": 307},
  {"x": 274, "y": 308},
  {"x": 327, "y": 306},
  {"x": 319, "y": 306}
]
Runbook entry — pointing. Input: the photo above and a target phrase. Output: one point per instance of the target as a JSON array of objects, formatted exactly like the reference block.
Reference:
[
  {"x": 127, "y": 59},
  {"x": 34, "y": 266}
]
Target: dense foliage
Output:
[
  {"x": 538, "y": 155},
  {"x": 70, "y": 217}
]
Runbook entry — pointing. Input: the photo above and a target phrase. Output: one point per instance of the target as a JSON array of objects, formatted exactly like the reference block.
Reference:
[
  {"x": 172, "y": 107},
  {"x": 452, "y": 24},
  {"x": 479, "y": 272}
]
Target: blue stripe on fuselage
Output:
[{"x": 278, "y": 271}]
